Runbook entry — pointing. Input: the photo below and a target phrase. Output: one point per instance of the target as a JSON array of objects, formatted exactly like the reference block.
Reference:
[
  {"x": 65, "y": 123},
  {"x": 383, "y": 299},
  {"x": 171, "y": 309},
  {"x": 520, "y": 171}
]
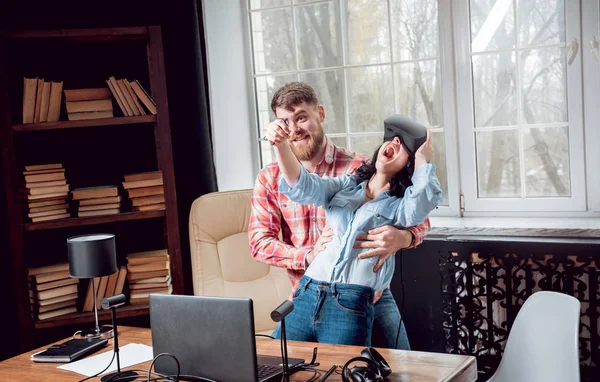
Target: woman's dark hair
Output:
[{"x": 399, "y": 182}]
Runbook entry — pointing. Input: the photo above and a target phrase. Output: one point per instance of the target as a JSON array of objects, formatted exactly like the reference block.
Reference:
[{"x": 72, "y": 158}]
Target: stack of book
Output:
[
  {"x": 41, "y": 100},
  {"x": 128, "y": 96},
  {"x": 148, "y": 272},
  {"x": 46, "y": 190},
  {"x": 106, "y": 286},
  {"x": 95, "y": 201},
  {"x": 146, "y": 191},
  {"x": 88, "y": 104},
  {"x": 52, "y": 292}
]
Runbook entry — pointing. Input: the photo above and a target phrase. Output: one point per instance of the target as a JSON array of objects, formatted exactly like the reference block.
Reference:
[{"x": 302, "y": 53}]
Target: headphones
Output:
[{"x": 376, "y": 369}]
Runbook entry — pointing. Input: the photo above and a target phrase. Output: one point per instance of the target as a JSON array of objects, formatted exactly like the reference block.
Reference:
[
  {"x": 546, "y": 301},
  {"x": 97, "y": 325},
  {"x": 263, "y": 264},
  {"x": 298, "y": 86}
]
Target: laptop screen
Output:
[{"x": 212, "y": 337}]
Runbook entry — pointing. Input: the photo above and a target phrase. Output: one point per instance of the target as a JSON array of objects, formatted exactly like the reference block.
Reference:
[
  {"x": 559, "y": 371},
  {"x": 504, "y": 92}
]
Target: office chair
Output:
[{"x": 543, "y": 341}]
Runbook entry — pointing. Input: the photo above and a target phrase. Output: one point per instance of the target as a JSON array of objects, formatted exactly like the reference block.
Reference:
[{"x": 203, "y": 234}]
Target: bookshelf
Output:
[{"x": 94, "y": 152}]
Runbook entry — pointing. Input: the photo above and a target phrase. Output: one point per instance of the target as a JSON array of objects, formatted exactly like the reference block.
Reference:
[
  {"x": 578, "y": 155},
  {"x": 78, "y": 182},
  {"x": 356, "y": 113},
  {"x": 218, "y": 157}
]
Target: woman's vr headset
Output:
[{"x": 411, "y": 134}]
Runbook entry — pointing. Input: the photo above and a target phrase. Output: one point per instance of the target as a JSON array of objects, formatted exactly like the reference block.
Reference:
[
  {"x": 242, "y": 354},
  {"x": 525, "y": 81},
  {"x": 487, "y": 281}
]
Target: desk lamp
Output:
[{"x": 93, "y": 256}]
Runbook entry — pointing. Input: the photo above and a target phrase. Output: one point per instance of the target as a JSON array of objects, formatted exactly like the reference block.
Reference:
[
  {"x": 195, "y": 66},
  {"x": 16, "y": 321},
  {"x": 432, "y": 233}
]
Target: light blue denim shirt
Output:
[{"x": 341, "y": 197}]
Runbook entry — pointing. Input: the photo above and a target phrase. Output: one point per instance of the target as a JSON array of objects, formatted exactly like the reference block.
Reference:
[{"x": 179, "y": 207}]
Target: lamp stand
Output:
[
  {"x": 284, "y": 355},
  {"x": 104, "y": 331}
]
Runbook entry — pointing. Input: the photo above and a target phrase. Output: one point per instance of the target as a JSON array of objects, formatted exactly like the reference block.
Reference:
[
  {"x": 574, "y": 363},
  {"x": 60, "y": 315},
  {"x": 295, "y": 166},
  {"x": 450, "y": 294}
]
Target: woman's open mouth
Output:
[{"x": 389, "y": 151}]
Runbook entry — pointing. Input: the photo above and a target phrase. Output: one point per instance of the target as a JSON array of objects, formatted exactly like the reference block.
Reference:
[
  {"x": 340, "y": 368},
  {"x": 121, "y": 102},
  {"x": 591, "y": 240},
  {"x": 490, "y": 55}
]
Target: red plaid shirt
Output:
[{"x": 300, "y": 226}]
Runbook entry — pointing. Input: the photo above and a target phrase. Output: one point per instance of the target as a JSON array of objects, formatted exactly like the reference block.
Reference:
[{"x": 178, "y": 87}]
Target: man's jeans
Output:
[
  {"x": 330, "y": 313},
  {"x": 385, "y": 324}
]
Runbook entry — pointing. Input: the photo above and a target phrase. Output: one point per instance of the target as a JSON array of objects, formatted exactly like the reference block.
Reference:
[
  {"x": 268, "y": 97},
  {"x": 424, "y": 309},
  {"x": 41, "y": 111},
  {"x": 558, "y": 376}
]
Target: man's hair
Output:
[{"x": 294, "y": 93}]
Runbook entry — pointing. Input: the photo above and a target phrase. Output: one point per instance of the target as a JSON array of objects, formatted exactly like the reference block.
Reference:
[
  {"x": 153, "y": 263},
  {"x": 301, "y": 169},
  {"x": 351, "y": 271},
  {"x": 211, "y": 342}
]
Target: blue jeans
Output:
[
  {"x": 385, "y": 324},
  {"x": 330, "y": 313}
]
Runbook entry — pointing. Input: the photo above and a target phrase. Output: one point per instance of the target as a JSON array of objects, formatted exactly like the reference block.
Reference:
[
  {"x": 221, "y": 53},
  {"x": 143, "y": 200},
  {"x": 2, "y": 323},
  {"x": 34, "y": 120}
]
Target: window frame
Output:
[{"x": 467, "y": 153}]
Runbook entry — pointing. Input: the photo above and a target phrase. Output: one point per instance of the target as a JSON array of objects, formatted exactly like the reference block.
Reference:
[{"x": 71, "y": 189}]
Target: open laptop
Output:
[{"x": 212, "y": 337}]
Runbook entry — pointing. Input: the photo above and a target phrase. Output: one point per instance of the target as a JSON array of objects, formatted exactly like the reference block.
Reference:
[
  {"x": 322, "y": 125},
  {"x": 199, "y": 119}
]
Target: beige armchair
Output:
[{"x": 221, "y": 261}]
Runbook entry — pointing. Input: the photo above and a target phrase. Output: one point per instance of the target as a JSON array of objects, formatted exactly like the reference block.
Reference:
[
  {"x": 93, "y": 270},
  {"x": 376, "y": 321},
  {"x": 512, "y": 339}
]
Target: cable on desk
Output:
[{"x": 106, "y": 368}]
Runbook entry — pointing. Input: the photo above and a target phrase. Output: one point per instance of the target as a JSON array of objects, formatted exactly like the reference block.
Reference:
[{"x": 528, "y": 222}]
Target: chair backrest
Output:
[
  {"x": 221, "y": 262},
  {"x": 543, "y": 342}
]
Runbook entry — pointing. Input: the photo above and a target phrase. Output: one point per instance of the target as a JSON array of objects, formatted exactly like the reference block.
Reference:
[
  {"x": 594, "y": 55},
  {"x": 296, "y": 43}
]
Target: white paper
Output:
[{"x": 129, "y": 355}]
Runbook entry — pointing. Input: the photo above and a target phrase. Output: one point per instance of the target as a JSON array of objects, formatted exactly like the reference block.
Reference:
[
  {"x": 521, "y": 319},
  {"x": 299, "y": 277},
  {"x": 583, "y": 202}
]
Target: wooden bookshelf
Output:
[
  {"x": 93, "y": 220},
  {"x": 88, "y": 317},
  {"x": 116, "y": 121},
  {"x": 96, "y": 152}
]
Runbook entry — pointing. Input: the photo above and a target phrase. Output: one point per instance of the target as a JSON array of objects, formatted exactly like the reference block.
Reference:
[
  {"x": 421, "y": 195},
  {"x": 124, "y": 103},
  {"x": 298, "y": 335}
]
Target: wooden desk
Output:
[{"x": 406, "y": 365}]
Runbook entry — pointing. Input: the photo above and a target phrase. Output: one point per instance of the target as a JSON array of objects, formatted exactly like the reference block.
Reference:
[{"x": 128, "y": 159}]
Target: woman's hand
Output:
[
  {"x": 425, "y": 152},
  {"x": 278, "y": 131}
]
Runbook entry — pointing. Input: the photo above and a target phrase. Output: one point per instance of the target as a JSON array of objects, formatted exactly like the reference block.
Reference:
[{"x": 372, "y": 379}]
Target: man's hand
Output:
[
  {"x": 385, "y": 241},
  {"x": 326, "y": 237}
]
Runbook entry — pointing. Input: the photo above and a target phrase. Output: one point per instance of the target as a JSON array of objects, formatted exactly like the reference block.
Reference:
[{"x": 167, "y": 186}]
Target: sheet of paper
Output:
[{"x": 129, "y": 355}]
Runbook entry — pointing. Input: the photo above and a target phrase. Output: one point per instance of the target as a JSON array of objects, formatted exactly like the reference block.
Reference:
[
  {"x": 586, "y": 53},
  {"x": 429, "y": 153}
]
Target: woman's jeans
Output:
[
  {"x": 384, "y": 327},
  {"x": 330, "y": 313}
]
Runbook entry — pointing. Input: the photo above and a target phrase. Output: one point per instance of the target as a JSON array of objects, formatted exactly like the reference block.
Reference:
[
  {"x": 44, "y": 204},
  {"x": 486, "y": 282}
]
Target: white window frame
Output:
[
  {"x": 467, "y": 153},
  {"x": 446, "y": 63},
  {"x": 591, "y": 91}
]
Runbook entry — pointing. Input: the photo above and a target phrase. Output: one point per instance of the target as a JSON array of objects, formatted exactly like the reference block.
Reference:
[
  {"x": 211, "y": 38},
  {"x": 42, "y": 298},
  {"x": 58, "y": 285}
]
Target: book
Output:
[
  {"x": 147, "y": 267},
  {"x": 29, "y": 94},
  {"x": 55, "y": 292},
  {"x": 38, "y": 167},
  {"x": 94, "y": 192},
  {"x": 143, "y": 183},
  {"x": 48, "y": 277},
  {"x": 52, "y": 217},
  {"x": 150, "y": 207},
  {"x": 120, "y": 95},
  {"x": 90, "y": 115},
  {"x": 134, "y": 97},
  {"x": 145, "y": 191},
  {"x": 92, "y": 105},
  {"x": 46, "y": 177},
  {"x": 98, "y": 207},
  {"x": 146, "y": 275},
  {"x": 38, "y": 101},
  {"x": 86, "y": 94},
  {"x": 143, "y": 96},
  {"x": 49, "y": 208},
  {"x": 70, "y": 350},
  {"x": 100, "y": 201},
  {"x": 46, "y": 213},
  {"x": 143, "y": 176},
  {"x": 112, "y": 211},
  {"x": 46, "y": 87},
  {"x": 61, "y": 267},
  {"x": 55, "y": 101},
  {"x": 117, "y": 98},
  {"x": 128, "y": 98},
  {"x": 147, "y": 200},
  {"x": 47, "y": 171},
  {"x": 51, "y": 183},
  {"x": 137, "y": 258},
  {"x": 52, "y": 284},
  {"x": 56, "y": 313},
  {"x": 54, "y": 300},
  {"x": 48, "y": 190}
]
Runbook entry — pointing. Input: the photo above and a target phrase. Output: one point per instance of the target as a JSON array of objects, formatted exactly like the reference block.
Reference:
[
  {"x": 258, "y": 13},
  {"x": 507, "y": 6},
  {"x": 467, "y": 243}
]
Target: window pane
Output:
[
  {"x": 439, "y": 160},
  {"x": 492, "y": 25},
  {"x": 541, "y": 22},
  {"x": 544, "y": 92},
  {"x": 366, "y": 145},
  {"x": 370, "y": 97},
  {"x": 547, "y": 162},
  {"x": 256, "y": 4},
  {"x": 273, "y": 41},
  {"x": 419, "y": 92},
  {"x": 415, "y": 29},
  {"x": 330, "y": 90},
  {"x": 368, "y": 32},
  {"x": 266, "y": 86},
  {"x": 318, "y": 35},
  {"x": 339, "y": 141},
  {"x": 498, "y": 164},
  {"x": 494, "y": 95}
]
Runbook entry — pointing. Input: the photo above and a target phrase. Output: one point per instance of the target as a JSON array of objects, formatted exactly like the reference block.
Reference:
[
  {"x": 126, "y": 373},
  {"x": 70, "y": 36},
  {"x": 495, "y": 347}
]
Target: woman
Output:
[{"x": 334, "y": 300}]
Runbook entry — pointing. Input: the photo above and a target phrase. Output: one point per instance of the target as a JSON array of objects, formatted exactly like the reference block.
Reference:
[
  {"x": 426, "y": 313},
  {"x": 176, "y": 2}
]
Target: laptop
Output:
[{"x": 212, "y": 337}]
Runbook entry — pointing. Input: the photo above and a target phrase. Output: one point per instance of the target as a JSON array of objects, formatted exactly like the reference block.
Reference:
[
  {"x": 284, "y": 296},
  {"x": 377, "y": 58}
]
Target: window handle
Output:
[
  {"x": 594, "y": 46},
  {"x": 571, "y": 49}
]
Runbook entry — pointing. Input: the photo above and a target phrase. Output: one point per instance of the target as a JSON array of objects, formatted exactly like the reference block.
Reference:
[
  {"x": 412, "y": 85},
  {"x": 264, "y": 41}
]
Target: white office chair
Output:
[{"x": 543, "y": 342}]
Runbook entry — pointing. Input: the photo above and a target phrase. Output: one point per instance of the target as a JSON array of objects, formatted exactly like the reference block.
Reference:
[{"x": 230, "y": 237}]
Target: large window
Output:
[{"x": 501, "y": 91}]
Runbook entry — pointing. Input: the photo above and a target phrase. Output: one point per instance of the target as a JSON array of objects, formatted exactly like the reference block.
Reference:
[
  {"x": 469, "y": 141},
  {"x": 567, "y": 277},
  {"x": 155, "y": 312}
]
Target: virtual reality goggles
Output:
[{"x": 411, "y": 134}]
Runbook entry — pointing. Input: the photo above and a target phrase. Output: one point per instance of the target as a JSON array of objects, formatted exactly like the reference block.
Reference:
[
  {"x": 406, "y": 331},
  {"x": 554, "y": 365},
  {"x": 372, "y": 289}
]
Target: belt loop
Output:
[
  {"x": 333, "y": 289},
  {"x": 308, "y": 280}
]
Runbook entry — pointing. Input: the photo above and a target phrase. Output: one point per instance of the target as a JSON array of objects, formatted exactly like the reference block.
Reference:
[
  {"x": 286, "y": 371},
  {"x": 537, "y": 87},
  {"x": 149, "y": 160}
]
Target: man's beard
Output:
[{"x": 311, "y": 149}]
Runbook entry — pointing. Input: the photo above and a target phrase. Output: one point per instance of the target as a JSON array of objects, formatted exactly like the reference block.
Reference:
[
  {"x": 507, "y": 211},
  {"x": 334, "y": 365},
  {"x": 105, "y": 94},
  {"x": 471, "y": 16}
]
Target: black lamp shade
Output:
[{"x": 92, "y": 255}]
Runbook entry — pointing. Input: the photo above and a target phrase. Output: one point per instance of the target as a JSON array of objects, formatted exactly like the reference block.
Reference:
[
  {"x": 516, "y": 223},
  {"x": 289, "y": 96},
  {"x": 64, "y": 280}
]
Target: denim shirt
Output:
[{"x": 342, "y": 198}]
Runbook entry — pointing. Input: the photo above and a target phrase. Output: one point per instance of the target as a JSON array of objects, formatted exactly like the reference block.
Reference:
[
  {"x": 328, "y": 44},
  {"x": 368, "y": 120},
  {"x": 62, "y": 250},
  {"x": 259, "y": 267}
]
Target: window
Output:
[
  {"x": 361, "y": 67},
  {"x": 498, "y": 82}
]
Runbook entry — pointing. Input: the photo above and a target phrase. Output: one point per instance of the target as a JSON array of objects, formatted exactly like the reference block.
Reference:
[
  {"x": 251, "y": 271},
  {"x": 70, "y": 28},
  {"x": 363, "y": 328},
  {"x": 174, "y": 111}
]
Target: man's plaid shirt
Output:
[{"x": 300, "y": 226}]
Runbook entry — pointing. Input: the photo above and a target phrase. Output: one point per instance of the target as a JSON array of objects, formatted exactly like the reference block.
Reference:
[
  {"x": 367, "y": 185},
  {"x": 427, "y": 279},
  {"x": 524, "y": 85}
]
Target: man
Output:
[{"x": 302, "y": 228}]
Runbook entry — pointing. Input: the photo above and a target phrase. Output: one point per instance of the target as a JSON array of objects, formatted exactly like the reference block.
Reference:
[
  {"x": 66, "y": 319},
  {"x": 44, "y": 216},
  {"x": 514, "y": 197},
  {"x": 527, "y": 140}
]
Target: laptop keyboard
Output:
[{"x": 267, "y": 370}]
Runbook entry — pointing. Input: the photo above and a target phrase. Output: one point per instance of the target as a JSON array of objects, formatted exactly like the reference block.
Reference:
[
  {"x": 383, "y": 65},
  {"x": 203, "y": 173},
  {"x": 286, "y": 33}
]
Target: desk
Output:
[{"x": 407, "y": 365}]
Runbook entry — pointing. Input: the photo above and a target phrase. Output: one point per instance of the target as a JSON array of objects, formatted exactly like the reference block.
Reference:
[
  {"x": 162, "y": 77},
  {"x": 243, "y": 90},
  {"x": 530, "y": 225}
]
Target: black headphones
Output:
[{"x": 376, "y": 369}]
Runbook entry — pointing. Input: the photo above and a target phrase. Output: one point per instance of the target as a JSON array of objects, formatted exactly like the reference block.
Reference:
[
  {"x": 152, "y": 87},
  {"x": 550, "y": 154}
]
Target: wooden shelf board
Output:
[
  {"x": 94, "y": 34},
  {"x": 115, "y": 121},
  {"x": 92, "y": 220},
  {"x": 88, "y": 317}
]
